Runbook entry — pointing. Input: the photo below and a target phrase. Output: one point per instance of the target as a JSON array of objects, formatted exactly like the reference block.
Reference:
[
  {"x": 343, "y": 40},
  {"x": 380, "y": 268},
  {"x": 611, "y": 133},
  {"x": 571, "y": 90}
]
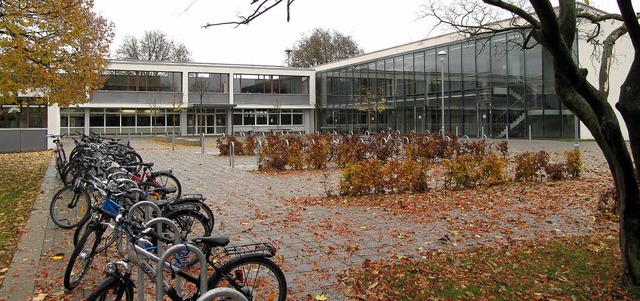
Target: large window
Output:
[
  {"x": 121, "y": 80},
  {"x": 208, "y": 82},
  {"x": 270, "y": 84},
  {"x": 268, "y": 117},
  {"x": 26, "y": 114}
]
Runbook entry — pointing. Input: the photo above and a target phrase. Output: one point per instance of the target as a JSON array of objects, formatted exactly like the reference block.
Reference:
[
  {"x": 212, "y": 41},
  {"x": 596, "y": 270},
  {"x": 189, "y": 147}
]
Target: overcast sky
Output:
[{"x": 263, "y": 42}]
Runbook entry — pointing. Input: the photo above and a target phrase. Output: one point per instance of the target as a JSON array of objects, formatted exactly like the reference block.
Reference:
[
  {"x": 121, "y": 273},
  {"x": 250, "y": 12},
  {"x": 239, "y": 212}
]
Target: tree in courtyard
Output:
[
  {"x": 321, "y": 47},
  {"x": 556, "y": 30},
  {"x": 56, "y": 49},
  {"x": 153, "y": 46},
  {"x": 371, "y": 101}
]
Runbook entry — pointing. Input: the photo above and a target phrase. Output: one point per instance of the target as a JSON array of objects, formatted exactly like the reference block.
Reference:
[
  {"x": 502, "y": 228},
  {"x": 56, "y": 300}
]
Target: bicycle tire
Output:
[
  {"x": 191, "y": 224},
  {"x": 108, "y": 237},
  {"x": 274, "y": 289},
  {"x": 60, "y": 162},
  {"x": 82, "y": 256},
  {"x": 113, "y": 288},
  {"x": 70, "y": 207},
  {"x": 132, "y": 158},
  {"x": 201, "y": 206},
  {"x": 167, "y": 180}
]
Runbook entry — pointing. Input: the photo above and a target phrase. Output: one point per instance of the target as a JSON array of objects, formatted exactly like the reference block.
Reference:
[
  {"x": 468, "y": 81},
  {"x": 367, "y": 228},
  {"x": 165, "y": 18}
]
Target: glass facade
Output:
[
  {"x": 209, "y": 82},
  {"x": 25, "y": 114},
  {"x": 270, "y": 84},
  {"x": 491, "y": 87},
  {"x": 119, "y": 121},
  {"x": 268, "y": 118},
  {"x": 125, "y": 80}
]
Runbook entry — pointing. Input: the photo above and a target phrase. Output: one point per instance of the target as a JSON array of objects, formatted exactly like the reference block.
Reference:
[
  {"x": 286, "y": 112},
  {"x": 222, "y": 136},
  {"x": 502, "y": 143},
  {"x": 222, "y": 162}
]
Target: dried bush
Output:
[
  {"x": 317, "y": 151},
  {"x": 493, "y": 169},
  {"x": 223, "y": 145},
  {"x": 274, "y": 155},
  {"x": 405, "y": 176},
  {"x": 476, "y": 148},
  {"x": 556, "y": 171},
  {"x": 382, "y": 147},
  {"x": 529, "y": 166},
  {"x": 249, "y": 146},
  {"x": 573, "y": 162},
  {"x": 362, "y": 178},
  {"x": 350, "y": 150},
  {"x": 295, "y": 154},
  {"x": 462, "y": 171},
  {"x": 608, "y": 206}
]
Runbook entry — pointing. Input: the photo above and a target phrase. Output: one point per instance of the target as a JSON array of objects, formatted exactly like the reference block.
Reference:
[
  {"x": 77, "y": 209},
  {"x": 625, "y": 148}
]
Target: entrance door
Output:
[{"x": 483, "y": 118}]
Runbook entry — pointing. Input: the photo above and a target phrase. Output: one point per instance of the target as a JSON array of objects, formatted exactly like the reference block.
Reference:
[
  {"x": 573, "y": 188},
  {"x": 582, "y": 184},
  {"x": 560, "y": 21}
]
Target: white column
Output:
[{"x": 53, "y": 123}]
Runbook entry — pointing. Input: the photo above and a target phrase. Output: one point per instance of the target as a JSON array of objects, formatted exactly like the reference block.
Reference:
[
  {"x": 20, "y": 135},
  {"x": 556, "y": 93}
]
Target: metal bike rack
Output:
[
  {"x": 258, "y": 150},
  {"x": 158, "y": 212},
  {"x": 466, "y": 137},
  {"x": 232, "y": 152},
  {"x": 222, "y": 292},
  {"x": 163, "y": 259}
]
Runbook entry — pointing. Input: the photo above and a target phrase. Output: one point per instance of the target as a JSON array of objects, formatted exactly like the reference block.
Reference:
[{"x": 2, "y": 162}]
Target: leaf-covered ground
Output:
[
  {"x": 20, "y": 178},
  {"x": 521, "y": 241}
]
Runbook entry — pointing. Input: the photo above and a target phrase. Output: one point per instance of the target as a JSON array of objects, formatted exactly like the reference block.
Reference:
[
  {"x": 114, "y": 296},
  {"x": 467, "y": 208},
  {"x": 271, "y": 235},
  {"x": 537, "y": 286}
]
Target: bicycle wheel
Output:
[
  {"x": 82, "y": 255},
  {"x": 191, "y": 224},
  {"x": 259, "y": 278},
  {"x": 108, "y": 237},
  {"x": 60, "y": 162},
  {"x": 70, "y": 207},
  {"x": 132, "y": 158},
  {"x": 113, "y": 288},
  {"x": 167, "y": 180}
]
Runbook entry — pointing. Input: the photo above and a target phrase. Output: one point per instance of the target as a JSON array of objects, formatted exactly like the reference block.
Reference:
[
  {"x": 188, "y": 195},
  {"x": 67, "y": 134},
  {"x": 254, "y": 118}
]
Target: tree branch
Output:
[
  {"x": 262, "y": 8},
  {"x": 607, "y": 58}
]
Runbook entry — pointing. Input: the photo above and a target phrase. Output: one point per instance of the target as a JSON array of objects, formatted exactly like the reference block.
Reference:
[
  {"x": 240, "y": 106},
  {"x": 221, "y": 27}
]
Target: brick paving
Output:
[{"x": 315, "y": 243}]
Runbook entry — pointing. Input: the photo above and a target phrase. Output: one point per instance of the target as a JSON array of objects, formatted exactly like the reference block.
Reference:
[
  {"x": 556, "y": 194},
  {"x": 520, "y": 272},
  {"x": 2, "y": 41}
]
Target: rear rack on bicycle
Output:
[
  {"x": 262, "y": 248},
  {"x": 192, "y": 197}
]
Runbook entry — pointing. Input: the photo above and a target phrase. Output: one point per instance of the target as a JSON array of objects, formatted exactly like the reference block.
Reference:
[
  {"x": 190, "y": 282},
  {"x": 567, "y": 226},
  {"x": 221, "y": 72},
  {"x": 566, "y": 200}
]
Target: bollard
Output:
[
  {"x": 232, "y": 151},
  {"x": 258, "y": 150}
]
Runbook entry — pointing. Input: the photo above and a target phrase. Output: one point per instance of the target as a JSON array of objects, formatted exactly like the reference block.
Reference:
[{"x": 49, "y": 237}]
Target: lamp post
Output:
[{"x": 443, "y": 56}]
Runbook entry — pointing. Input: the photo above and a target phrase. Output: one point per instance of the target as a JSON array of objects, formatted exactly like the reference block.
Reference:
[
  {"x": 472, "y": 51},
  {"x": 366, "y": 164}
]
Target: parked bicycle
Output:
[
  {"x": 61, "y": 156},
  {"x": 245, "y": 268}
]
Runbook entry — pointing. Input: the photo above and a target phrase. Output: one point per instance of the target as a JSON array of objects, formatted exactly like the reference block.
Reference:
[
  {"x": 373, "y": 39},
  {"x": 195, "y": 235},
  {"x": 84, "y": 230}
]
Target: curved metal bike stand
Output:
[
  {"x": 222, "y": 292},
  {"x": 163, "y": 259},
  {"x": 232, "y": 152},
  {"x": 158, "y": 212}
]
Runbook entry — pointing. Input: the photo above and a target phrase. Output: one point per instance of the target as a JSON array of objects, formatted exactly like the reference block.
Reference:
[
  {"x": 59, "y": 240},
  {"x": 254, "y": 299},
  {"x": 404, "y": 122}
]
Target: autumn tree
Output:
[
  {"x": 55, "y": 49},
  {"x": 556, "y": 30},
  {"x": 321, "y": 47},
  {"x": 153, "y": 46},
  {"x": 371, "y": 101}
]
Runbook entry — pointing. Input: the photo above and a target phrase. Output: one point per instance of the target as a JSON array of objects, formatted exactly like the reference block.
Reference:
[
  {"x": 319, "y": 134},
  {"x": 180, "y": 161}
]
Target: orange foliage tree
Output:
[{"x": 56, "y": 50}]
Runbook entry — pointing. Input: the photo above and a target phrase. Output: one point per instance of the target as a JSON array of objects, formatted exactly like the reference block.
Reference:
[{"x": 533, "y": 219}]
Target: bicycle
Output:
[
  {"x": 61, "y": 156},
  {"x": 242, "y": 272}
]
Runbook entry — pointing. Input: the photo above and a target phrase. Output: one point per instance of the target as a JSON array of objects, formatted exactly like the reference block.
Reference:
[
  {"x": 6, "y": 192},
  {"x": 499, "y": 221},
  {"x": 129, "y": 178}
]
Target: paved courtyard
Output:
[{"x": 315, "y": 243}]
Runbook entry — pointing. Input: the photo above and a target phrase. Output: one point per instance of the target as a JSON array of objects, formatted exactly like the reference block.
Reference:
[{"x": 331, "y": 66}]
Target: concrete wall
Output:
[{"x": 22, "y": 140}]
